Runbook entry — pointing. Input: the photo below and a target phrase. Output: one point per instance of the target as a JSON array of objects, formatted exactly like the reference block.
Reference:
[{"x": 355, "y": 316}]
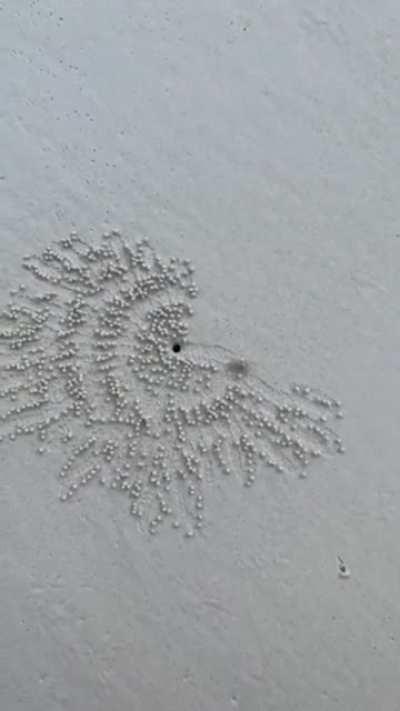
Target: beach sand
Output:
[{"x": 261, "y": 141}]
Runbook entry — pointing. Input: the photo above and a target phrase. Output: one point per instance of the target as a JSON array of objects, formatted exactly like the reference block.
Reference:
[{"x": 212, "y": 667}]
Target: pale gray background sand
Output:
[{"x": 261, "y": 139}]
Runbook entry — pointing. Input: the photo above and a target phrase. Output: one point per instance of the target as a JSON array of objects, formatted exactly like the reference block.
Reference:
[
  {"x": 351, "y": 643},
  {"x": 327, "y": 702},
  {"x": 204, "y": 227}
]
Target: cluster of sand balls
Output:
[{"x": 97, "y": 362}]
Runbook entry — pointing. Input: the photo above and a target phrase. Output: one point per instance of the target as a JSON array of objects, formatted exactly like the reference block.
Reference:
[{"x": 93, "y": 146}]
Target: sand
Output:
[{"x": 260, "y": 141}]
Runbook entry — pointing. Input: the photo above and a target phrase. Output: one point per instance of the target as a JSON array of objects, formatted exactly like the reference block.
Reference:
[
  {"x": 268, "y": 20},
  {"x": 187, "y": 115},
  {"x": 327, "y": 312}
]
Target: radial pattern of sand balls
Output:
[{"x": 97, "y": 364}]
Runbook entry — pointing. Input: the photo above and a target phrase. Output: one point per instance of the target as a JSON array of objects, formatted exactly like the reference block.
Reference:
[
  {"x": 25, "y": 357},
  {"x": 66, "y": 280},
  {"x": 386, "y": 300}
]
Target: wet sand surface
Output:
[{"x": 259, "y": 141}]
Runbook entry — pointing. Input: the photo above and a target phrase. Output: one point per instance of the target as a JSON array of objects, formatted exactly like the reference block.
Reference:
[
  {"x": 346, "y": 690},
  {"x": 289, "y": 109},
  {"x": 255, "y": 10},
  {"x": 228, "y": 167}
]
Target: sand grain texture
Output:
[{"x": 261, "y": 141}]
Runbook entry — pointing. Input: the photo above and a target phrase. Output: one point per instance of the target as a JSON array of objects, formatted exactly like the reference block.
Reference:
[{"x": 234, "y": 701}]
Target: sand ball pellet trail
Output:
[{"x": 97, "y": 363}]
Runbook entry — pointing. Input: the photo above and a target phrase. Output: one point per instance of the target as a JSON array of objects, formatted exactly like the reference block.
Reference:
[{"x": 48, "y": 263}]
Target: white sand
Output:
[{"x": 262, "y": 141}]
